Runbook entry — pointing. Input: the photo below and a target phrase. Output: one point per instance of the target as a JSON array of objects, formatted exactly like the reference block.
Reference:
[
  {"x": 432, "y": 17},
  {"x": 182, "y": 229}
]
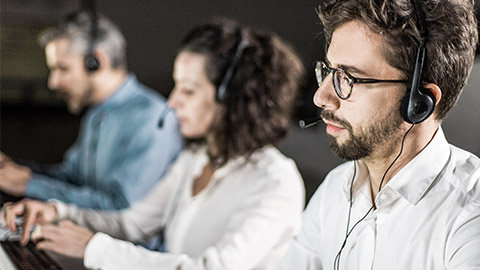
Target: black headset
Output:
[
  {"x": 418, "y": 103},
  {"x": 222, "y": 88},
  {"x": 91, "y": 61}
]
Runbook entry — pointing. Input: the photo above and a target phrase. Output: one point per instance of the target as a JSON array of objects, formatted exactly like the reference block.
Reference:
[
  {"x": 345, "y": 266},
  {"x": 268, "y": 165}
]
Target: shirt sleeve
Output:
[
  {"x": 463, "y": 249},
  {"x": 43, "y": 187},
  {"x": 303, "y": 252},
  {"x": 67, "y": 171},
  {"x": 138, "y": 222},
  {"x": 148, "y": 156},
  {"x": 126, "y": 254},
  {"x": 268, "y": 218},
  {"x": 141, "y": 162}
]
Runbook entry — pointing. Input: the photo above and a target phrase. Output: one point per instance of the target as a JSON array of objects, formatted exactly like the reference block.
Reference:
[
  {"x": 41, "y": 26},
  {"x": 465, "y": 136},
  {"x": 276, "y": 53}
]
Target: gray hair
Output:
[{"x": 78, "y": 29}]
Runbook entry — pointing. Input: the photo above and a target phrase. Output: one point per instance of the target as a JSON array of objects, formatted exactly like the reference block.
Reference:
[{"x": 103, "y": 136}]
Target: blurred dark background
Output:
[{"x": 34, "y": 123}]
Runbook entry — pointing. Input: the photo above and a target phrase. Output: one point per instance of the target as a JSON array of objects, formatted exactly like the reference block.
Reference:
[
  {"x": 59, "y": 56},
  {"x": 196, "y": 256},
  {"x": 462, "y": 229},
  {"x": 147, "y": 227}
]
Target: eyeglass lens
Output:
[{"x": 340, "y": 79}]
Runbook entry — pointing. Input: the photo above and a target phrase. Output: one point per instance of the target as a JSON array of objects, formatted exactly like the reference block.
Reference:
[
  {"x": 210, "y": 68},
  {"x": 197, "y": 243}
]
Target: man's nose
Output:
[
  {"x": 325, "y": 97},
  {"x": 53, "y": 80}
]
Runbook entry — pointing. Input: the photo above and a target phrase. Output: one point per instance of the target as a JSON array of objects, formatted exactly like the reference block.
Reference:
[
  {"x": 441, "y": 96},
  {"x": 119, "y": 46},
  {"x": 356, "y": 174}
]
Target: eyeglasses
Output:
[{"x": 342, "y": 80}]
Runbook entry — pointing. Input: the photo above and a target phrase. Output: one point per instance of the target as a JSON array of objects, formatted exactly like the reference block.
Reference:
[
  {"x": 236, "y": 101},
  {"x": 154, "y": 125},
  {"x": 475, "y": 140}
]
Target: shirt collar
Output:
[
  {"x": 125, "y": 92},
  {"x": 232, "y": 164},
  {"x": 413, "y": 180},
  {"x": 361, "y": 183},
  {"x": 239, "y": 161}
]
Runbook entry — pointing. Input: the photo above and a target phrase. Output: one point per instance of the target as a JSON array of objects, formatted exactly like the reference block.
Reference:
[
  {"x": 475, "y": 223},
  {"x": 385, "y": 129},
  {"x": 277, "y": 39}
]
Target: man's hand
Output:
[
  {"x": 33, "y": 212},
  {"x": 67, "y": 238},
  {"x": 3, "y": 158},
  {"x": 13, "y": 177}
]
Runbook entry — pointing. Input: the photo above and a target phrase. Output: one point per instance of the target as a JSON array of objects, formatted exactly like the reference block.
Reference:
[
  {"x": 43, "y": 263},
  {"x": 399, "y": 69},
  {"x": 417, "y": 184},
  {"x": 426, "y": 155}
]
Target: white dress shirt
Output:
[
  {"x": 244, "y": 218},
  {"x": 427, "y": 216}
]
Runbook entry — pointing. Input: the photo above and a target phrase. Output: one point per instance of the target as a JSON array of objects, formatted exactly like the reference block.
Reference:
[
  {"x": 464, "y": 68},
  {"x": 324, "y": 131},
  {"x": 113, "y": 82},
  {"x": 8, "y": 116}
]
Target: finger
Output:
[
  {"x": 10, "y": 216},
  {"x": 29, "y": 219},
  {"x": 3, "y": 213},
  {"x": 12, "y": 211},
  {"x": 3, "y": 157},
  {"x": 47, "y": 245},
  {"x": 37, "y": 234},
  {"x": 65, "y": 223},
  {"x": 47, "y": 232}
]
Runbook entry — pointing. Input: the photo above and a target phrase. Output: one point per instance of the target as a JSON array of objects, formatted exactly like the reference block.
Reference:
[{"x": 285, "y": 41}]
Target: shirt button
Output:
[{"x": 383, "y": 197}]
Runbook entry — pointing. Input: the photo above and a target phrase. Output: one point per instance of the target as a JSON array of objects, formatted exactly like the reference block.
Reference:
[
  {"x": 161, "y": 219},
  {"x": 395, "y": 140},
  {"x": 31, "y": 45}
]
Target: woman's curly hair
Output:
[{"x": 259, "y": 96}]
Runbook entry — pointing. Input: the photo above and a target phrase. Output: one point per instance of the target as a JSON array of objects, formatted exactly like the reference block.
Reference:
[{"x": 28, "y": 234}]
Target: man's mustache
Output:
[{"x": 328, "y": 115}]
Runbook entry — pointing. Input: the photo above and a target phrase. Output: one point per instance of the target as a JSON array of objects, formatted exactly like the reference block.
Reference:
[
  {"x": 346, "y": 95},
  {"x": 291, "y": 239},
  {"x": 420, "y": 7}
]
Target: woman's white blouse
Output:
[{"x": 244, "y": 218}]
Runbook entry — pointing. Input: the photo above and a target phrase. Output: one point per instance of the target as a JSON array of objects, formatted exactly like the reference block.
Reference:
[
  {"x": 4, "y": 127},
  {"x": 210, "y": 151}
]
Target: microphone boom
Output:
[{"x": 309, "y": 122}]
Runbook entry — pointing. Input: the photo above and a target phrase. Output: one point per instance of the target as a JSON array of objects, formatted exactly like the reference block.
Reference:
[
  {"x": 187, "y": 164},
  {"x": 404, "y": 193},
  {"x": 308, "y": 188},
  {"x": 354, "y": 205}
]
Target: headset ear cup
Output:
[
  {"x": 92, "y": 63},
  {"x": 430, "y": 101},
  {"x": 404, "y": 107},
  {"x": 422, "y": 107}
]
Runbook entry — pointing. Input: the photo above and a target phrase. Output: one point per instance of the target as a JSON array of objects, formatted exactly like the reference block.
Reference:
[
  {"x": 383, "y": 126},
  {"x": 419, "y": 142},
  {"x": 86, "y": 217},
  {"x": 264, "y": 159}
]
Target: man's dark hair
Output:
[
  {"x": 451, "y": 39},
  {"x": 259, "y": 98}
]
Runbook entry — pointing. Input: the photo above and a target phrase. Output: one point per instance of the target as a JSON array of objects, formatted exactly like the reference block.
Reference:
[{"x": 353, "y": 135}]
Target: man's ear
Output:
[
  {"x": 103, "y": 58},
  {"x": 435, "y": 90}
]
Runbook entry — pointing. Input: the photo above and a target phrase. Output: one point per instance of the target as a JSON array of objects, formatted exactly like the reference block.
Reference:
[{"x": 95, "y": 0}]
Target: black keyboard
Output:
[{"x": 28, "y": 257}]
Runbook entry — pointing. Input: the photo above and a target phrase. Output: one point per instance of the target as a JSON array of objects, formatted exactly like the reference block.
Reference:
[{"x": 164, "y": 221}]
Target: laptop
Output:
[{"x": 5, "y": 262}]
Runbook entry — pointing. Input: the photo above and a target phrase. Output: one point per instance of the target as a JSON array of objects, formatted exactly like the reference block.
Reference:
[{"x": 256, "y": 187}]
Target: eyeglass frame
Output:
[{"x": 320, "y": 65}]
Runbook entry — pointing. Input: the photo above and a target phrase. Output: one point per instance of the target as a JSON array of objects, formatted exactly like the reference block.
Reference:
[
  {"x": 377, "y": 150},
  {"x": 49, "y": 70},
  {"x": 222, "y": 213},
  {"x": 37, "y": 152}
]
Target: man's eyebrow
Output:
[
  {"x": 348, "y": 68},
  {"x": 354, "y": 70}
]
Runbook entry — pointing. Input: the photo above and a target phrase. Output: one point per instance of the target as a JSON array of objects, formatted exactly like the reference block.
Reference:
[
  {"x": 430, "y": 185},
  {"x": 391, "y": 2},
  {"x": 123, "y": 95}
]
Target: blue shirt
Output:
[{"x": 120, "y": 153}]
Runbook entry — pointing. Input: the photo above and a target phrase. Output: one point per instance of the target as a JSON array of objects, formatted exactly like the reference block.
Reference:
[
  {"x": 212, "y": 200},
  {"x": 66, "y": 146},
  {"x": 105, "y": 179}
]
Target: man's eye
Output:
[{"x": 188, "y": 92}]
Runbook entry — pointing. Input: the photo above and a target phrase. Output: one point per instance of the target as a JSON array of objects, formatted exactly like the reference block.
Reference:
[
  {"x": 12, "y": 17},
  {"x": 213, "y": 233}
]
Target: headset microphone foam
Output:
[
  {"x": 309, "y": 122},
  {"x": 163, "y": 116}
]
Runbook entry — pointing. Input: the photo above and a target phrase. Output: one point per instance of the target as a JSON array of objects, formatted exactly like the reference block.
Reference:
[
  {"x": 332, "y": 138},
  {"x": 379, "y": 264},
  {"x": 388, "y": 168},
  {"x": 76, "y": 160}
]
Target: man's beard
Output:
[
  {"x": 83, "y": 101},
  {"x": 359, "y": 146}
]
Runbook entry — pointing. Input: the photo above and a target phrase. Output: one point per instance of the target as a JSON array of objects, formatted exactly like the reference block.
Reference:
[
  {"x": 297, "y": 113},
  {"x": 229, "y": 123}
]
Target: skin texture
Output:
[
  {"x": 13, "y": 177},
  {"x": 369, "y": 105},
  {"x": 193, "y": 96},
  {"x": 68, "y": 76}
]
